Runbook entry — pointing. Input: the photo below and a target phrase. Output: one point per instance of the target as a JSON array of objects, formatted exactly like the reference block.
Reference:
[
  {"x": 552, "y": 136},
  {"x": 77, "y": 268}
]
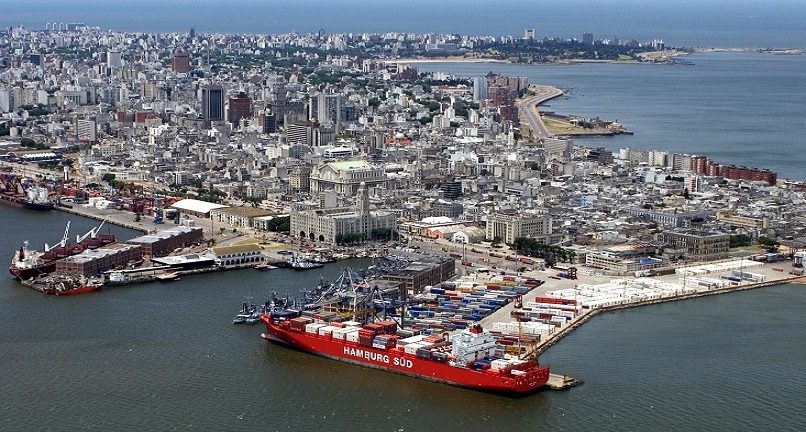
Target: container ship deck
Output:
[{"x": 466, "y": 359}]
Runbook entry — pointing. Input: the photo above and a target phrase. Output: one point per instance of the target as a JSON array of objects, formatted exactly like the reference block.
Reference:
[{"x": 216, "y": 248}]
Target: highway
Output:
[{"x": 527, "y": 108}]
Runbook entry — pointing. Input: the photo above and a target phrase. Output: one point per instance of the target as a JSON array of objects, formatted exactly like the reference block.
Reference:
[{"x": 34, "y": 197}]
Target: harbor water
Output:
[
  {"x": 740, "y": 108},
  {"x": 165, "y": 356}
]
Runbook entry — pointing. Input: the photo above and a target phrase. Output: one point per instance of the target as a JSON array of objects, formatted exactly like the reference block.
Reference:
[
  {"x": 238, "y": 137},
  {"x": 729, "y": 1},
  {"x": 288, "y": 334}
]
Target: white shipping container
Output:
[
  {"x": 313, "y": 327},
  {"x": 410, "y": 340},
  {"x": 326, "y": 330},
  {"x": 412, "y": 348},
  {"x": 352, "y": 336},
  {"x": 500, "y": 365}
]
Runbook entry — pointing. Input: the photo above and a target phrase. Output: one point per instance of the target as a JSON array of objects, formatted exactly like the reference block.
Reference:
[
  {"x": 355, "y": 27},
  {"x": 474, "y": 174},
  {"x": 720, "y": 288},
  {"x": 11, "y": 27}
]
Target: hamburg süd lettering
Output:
[{"x": 377, "y": 357}]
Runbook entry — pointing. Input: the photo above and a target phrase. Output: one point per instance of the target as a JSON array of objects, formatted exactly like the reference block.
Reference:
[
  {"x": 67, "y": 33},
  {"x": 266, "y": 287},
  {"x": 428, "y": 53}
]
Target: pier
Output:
[{"x": 585, "y": 316}]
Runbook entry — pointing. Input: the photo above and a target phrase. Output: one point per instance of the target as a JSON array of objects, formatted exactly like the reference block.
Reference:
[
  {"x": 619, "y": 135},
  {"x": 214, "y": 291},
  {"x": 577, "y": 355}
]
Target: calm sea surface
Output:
[
  {"x": 714, "y": 23},
  {"x": 742, "y": 108},
  {"x": 165, "y": 356}
]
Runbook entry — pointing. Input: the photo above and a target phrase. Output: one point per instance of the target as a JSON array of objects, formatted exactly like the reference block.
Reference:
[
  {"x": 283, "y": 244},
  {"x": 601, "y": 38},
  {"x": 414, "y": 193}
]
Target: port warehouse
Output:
[
  {"x": 94, "y": 261},
  {"x": 421, "y": 273}
]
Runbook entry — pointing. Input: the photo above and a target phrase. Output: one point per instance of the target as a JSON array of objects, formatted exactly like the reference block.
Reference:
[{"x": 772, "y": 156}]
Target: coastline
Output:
[{"x": 671, "y": 56}]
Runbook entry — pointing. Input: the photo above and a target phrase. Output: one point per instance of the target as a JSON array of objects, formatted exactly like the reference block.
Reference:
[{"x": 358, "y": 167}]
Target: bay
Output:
[
  {"x": 741, "y": 108},
  {"x": 165, "y": 356},
  {"x": 685, "y": 23}
]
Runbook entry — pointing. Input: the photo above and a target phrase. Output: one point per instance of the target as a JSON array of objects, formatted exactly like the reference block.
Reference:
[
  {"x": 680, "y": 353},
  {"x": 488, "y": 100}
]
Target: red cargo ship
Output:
[{"x": 467, "y": 360}]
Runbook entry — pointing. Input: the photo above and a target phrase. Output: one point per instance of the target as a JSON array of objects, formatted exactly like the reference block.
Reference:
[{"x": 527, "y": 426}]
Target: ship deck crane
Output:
[
  {"x": 92, "y": 233},
  {"x": 62, "y": 243}
]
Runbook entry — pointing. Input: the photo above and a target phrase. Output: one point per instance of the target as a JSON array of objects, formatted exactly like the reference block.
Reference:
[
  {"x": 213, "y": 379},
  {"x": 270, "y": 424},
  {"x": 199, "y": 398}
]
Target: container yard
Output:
[{"x": 456, "y": 304}]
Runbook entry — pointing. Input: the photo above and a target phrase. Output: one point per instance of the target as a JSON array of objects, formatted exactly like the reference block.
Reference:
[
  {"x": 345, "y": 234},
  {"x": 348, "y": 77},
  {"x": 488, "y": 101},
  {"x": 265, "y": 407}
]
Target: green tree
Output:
[
  {"x": 740, "y": 240},
  {"x": 108, "y": 177},
  {"x": 769, "y": 243}
]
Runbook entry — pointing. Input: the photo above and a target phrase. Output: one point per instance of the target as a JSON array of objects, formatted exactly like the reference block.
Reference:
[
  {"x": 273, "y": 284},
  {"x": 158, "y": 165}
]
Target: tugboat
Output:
[
  {"x": 64, "y": 284},
  {"x": 248, "y": 314},
  {"x": 79, "y": 286}
]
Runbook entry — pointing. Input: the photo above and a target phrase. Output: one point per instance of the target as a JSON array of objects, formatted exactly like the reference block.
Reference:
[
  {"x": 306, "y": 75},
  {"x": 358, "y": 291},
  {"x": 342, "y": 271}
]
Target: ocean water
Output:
[
  {"x": 165, "y": 356},
  {"x": 741, "y": 108},
  {"x": 721, "y": 23}
]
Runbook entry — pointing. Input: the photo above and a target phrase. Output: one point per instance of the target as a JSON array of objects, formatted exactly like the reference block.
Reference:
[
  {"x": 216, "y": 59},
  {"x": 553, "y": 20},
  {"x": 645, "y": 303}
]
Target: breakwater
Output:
[{"x": 590, "y": 313}]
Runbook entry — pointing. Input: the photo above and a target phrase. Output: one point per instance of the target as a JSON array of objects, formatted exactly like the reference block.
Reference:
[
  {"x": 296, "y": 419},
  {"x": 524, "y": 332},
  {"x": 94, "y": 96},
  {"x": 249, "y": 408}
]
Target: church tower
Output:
[{"x": 362, "y": 209}]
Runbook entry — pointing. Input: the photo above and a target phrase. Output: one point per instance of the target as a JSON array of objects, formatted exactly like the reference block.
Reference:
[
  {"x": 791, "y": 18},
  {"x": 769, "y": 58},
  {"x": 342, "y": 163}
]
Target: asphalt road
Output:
[{"x": 527, "y": 108}]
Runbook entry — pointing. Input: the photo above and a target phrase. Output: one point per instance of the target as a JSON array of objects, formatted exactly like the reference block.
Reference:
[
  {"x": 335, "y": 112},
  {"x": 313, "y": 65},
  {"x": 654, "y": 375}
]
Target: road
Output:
[{"x": 527, "y": 108}]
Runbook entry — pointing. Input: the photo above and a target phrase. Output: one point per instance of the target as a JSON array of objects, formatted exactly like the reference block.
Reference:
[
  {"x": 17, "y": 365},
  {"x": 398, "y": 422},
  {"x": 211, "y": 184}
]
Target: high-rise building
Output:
[
  {"x": 240, "y": 107},
  {"x": 114, "y": 59},
  {"x": 180, "y": 63},
  {"x": 529, "y": 34},
  {"x": 269, "y": 123},
  {"x": 212, "y": 104},
  {"x": 479, "y": 88},
  {"x": 587, "y": 38},
  {"x": 328, "y": 108},
  {"x": 86, "y": 129}
]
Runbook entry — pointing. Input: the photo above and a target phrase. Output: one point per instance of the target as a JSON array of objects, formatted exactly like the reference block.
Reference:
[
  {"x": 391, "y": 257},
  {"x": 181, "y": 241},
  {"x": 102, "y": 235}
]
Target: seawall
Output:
[{"x": 588, "y": 314}]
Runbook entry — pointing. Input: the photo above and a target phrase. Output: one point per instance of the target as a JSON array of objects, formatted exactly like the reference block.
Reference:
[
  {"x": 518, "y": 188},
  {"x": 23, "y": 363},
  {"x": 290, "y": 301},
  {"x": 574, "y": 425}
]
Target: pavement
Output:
[{"x": 527, "y": 107}]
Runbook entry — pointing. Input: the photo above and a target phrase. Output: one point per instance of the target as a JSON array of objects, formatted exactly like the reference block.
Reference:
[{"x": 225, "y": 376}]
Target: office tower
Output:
[
  {"x": 240, "y": 107},
  {"x": 269, "y": 123},
  {"x": 212, "y": 104},
  {"x": 529, "y": 34},
  {"x": 180, "y": 63},
  {"x": 114, "y": 59},
  {"x": 328, "y": 108},
  {"x": 479, "y": 89},
  {"x": 587, "y": 38}
]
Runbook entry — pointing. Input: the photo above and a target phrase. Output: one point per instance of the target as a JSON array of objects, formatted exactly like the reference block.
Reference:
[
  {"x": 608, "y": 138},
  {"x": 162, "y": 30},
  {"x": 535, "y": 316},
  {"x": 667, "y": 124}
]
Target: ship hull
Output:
[
  {"x": 32, "y": 272},
  {"x": 22, "y": 202},
  {"x": 79, "y": 290},
  {"x": 398, "y": 361}
]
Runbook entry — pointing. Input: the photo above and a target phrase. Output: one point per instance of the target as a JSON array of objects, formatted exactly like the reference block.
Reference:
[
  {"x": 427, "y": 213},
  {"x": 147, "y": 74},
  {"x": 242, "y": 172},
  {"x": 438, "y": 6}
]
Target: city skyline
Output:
[{"x": 774, "y": 24}]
